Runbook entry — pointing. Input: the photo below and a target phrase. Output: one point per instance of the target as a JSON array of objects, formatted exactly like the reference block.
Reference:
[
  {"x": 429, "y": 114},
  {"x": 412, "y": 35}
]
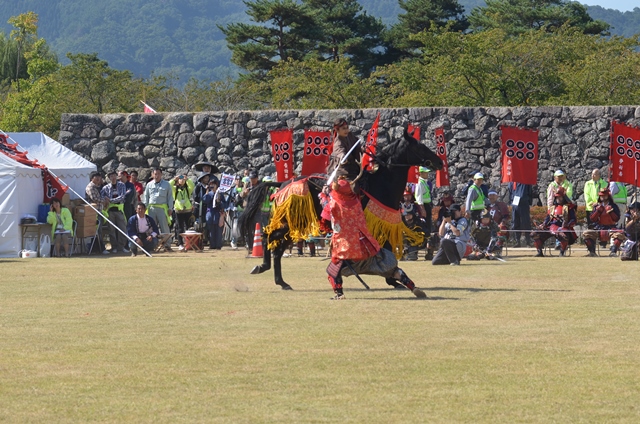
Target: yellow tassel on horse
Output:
[
  {"x": 386, "y": 225},
  {"x": 299, "y": 212}
]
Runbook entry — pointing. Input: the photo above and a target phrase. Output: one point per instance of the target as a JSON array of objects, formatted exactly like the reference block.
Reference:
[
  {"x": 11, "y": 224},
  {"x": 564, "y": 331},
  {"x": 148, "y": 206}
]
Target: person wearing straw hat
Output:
[{"x": 476, "y": 199}]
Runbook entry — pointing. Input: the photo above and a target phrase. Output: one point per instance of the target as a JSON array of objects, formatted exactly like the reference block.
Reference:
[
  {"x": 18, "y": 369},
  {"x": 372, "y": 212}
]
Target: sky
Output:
[{"x": 621, "y": 5}]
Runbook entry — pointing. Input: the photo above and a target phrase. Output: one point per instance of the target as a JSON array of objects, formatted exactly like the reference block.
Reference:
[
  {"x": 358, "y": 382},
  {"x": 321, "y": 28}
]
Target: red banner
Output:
[
  {"x": 624, "y": 153},
  {"x": 53, "y": 187},
  {"x": 282, "y": 150},
  {"x": 370, "y": 146},
  {"x": 317, "y": 146},
  {"x": 442, "y": 176},
  {"x": 412, "y": 176},
  {"x": 519, "y": 155}
]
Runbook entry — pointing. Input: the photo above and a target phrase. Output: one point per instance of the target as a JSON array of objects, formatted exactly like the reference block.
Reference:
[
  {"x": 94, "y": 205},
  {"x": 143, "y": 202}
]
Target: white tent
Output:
[{"x": 22, "y": 189}]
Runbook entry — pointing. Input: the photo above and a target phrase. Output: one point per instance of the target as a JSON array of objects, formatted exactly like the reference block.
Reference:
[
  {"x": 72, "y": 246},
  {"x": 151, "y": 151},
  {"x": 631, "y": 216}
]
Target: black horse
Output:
[{"x": 386, "y": 185}]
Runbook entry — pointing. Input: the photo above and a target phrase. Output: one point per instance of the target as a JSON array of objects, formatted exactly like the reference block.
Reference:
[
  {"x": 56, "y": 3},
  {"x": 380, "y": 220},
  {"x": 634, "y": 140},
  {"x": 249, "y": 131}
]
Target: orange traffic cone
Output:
[{"x": 257, "y": 243}]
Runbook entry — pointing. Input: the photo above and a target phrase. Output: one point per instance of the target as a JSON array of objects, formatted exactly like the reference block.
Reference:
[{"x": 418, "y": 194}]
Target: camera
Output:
[{"x": 446, "y": 214}]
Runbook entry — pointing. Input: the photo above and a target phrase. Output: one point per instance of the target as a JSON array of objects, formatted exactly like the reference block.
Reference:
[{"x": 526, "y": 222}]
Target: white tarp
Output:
[{"x": 22, "y": 189}]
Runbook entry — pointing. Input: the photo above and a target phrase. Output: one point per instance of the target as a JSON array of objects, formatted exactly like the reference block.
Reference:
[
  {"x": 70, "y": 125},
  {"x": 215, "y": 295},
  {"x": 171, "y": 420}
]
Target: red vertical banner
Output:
[
  {"x": 624, "y": 153},
  {"x": 370, "y": 145},
  {"x": 412, "y": 176},
  {"x": 442, "y": 175},
  {"x": 519, "y": 155},
  {"x": 282, "y": 150},
  {"x": 316, "y": 152},
  {"x": 53, "y": 188}
]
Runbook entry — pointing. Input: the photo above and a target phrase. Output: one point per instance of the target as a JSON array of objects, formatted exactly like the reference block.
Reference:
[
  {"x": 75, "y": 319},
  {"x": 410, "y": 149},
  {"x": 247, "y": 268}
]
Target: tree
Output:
[
  {"x": 25, "y": 34},
  {"x": 518, "y": 16},
  {"x": 423, "y": 15},
  {"x": 282, "y": 34}
]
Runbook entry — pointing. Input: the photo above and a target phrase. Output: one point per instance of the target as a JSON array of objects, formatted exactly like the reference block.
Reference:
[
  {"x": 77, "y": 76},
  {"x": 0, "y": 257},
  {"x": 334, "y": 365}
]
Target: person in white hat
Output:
[
  {"x": 559, "y": 180},
  {"x": 424, "y": 198}
]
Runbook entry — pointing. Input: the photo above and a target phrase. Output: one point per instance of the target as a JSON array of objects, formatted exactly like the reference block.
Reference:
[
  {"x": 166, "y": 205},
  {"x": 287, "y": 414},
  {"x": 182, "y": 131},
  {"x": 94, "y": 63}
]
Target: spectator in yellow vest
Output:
[{"x": 591, "y": 189}]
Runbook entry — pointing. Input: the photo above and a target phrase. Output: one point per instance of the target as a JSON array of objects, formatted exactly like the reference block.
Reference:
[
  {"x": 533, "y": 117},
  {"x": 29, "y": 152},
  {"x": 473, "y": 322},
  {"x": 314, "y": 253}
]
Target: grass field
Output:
[{"x": 196, "y": 338}]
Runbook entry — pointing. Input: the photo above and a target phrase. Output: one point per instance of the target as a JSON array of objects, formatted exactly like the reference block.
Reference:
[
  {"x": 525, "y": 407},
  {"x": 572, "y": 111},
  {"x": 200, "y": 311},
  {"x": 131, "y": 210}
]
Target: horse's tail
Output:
[{"x": 256, "y": 198}]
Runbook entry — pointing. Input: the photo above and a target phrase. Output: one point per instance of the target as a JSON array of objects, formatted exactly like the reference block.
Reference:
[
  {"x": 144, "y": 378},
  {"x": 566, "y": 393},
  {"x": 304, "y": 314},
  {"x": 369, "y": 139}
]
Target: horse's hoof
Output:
[
  {"x": 256, "y": 270},
  {"x": 285, "y": 286},
  {"x": 419, "y": 293}
]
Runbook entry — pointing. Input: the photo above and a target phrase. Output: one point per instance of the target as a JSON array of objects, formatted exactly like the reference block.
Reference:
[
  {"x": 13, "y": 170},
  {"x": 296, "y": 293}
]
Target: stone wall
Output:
[{"x": 575, "y": 139}]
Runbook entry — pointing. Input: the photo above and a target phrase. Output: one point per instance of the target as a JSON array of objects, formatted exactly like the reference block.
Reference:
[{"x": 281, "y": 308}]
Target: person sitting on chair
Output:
[
  {"x": 488, "y": 241},
  {"x": 604, "y": 218},
  {"x": 559, "y": 223},
  {"x": 143, "y": 230},
  {"x": 61, "y": 226}
]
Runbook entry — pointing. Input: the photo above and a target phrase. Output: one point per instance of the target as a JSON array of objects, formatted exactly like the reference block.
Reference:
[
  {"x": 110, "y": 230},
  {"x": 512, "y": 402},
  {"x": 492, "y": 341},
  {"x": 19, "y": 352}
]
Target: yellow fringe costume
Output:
[
  {"x": 386, "y": 225},
  {"x": 293, "y": 204}
]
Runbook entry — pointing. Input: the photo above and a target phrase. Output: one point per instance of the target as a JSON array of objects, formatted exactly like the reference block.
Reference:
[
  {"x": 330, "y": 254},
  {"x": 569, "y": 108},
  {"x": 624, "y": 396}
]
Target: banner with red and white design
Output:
[
  {"x": 282, "y": 150},
  {"x": 317, "y": 145},
  {"x": 412, "y": 176},
  {"x": 53, "y": 187},
  {"x": 624, "y": 153},
  {"x": 519, "y": 155},
  {"x": 442, "y": 175},
  {"x": 370, "y": 145}
]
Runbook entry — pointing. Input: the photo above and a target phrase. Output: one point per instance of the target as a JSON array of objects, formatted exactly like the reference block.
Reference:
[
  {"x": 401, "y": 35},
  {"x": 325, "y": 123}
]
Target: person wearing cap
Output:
[
  {"x": 454, "y": 234},
  {"x": 115, "y": 192},
  {"x": 353, "y": 248},
  {"x": 130, "y": 198},
  {"x": 592, "y": 189},
  {"x": 521, "y": 198},
  {"x": 475, "y": 202},
  {"x": 629, "y": 250},
  {"x": 559, "y": 223},
  {"x": 619, "y": 194},
  {"x": 343, "y": 141},
  {"x": 423, "y": 197},
  {"x": 559, "y": 180},
  {"x": 182, "y": 190},
  {"x": 604, "y": 218},
  {"x": 487, "y": 242}
]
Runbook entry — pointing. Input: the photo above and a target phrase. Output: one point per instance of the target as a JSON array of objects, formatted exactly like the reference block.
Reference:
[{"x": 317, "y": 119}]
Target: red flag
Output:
[
  {"x": 53, "y": 187},
  {"x": 442, "y": 175},
  {"x": 282, "y": 150},
  {"x": 412, "y": 176},
  {"x": 519, "y": 155},
  {"x": 624, "y": 153},
  {"x": 370, "y": 146},
  {"x": 316, "y": 152},
  {"x": 147, "y": 108}
]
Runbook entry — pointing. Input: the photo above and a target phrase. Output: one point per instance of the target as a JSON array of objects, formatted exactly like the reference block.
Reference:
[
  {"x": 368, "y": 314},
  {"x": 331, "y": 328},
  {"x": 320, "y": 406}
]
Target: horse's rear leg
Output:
[
  {"x": 277, "y": 265},
  {"x": 406, "y": 281},
  {"x": 266, "y": 259}
]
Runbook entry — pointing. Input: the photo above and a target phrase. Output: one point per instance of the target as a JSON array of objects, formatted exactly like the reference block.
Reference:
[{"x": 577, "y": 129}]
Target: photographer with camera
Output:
[
  {"x": 182, "y": 190},
  {"x": 454, "y": 232}
]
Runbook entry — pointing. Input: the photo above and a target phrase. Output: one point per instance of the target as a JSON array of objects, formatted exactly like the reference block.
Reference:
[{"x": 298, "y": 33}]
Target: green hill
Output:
[{"x": 181, "y": 36}]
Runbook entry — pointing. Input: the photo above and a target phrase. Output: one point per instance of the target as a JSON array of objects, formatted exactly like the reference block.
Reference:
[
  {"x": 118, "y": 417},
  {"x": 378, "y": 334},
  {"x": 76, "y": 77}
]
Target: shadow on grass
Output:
[
  {"x": 412, "y": 298},
  {"x": 475, "y": 289}
]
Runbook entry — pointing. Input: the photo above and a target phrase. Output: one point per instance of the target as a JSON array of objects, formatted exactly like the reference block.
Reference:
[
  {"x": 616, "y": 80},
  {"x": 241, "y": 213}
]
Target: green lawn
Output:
[{"x": 196, "y": 338}]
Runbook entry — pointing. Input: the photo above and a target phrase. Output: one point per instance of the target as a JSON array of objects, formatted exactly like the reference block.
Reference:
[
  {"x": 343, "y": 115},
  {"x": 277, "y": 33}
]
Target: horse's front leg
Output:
[{"x": 277, "y": 265}]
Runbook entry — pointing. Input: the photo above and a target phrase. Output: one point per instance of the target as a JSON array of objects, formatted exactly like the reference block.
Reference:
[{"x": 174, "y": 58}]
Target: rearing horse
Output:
[{"x": 384, "y": 189}]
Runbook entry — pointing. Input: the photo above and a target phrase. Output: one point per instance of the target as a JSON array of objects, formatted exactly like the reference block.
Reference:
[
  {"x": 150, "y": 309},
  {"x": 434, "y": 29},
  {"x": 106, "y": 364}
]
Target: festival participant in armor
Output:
[
  {"x": 592, "y": 189},
  {"x": 454, "y": 234},
  {"x": 521, "y": 198},
  {"x": 488, "y": 243},
  {"x": 354, "y": 249},
  {"x": 475, "y": 203},
  {"x": 423, "y": 198},
  {"x": 559, "y": 180},
  {"x": 182, "y": 190},
  {"x": 408, "y": 205},
  {"x": 500, "y": 214},
  {"x": 558, "y": 223},
  {"x": 604, "y": 218},
  {"x": 632, "y": 232},
  {"x": 619, "y": 194},
  {"x": 158, "y": 195},
  {"x": 116, "y": 192},
  {"x": 343, "y": 141},
  {"x": 143, "y": 230}
]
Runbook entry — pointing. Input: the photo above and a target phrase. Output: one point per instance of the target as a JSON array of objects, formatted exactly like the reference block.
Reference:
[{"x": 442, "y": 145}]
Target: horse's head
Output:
[{"x": 409, "y": 151}]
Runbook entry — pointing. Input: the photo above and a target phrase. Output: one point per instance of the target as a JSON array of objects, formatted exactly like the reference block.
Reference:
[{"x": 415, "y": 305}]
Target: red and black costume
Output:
[
  {"x": 559, "y": 223},
  {"x": 603, "y": 223}
]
